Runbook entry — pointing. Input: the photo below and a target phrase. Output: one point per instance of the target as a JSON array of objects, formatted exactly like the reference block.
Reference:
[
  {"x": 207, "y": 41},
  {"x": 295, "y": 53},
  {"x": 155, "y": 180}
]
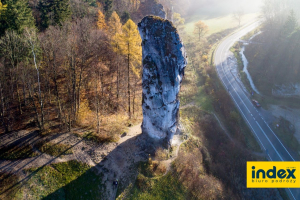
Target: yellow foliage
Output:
[
  {"x": 178, "y": 21},
  {"x": 101, "y": 21},
  {"x": 99, "y": 5},
  {"x": 2, "y": 7},
  {"x": 85, "y": 115},
  {"x": 200, "y": 28},
  {"x": 156, "y": 168},
  {"x": 161, "y": 154},
  {"x": 129, "y": 42},
  {"x": 114, "y": 24}
]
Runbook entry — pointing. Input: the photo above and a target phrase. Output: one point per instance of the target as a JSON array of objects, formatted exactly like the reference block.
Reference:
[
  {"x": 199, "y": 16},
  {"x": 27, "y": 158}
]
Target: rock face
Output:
[
  {"x": 150, "y": 7},
  {"x": 164, "y": 61}
]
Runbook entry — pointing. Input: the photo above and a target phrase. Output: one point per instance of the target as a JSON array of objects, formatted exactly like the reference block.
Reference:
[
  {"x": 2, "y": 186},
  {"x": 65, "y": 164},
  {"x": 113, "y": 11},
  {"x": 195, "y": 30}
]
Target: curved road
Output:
[{"x": 267, "y": 139}]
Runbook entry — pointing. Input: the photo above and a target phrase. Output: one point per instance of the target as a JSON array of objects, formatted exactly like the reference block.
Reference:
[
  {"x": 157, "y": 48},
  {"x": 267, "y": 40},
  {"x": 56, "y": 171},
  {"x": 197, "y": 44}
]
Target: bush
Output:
[{"x": 161, "y": 154}]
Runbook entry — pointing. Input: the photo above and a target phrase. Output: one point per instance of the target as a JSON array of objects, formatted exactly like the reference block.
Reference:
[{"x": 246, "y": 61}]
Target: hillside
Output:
[
  {"x": 72, "y": 105},
  {"x": 273, "y": 59}
]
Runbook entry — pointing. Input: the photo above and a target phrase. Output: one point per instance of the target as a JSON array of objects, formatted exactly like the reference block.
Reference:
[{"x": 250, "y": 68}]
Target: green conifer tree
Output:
[
  {"x": 54, "y": 12},
  {"x": 17, "y": 16},
  {"x": 108, "y": 8}
]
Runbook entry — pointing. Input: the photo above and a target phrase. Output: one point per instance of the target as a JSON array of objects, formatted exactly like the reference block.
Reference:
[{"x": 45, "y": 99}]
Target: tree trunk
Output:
[
  {"x": 74, "y": 87},
  {"x": 12, "y": 84},
  {"x": 133, "y": 100},
  {"x": 118, "y": 78},
  {"x": 57, "y": 97},
  {"x": 34, "y": 107},
  {"x": 98, "y": 104},
  {"x": 39, "y": 84},
  {"x": 128, "y": 86},
  {"x": 3, "y": 109},
  {"x": 78, "y": 89},
  {"x": 19, "y": 100},
  {"x": 24, "y": 86}
]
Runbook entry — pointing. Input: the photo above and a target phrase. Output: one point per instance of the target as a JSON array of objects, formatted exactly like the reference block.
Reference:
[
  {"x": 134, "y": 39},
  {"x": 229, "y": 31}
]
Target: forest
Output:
[
  {"x": 65, "y": 63},
  {"x": 274, "y": 60},
  {"x": 74, "y": 63}
]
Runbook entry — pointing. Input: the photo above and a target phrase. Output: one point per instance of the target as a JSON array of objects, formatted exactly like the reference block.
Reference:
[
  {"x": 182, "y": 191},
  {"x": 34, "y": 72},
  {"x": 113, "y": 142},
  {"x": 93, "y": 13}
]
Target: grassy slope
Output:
[
  {"x": 219, "y": 23},
  {"x": 199, "y": 171},
  {"x": 69, "y": 180},
  {"x": 167, "y": 187}
]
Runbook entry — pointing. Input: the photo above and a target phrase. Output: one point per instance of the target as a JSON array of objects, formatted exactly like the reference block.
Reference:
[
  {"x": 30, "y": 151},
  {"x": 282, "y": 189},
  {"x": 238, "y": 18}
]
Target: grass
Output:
[
  {"x": 55, "y": 181},
  {"x": 6, "y": 181},
  {"x": 198, "y": 172},
  {"x": 236, "y": 51},
  {"x": 110, "y": 128},
  {"x": 236, "y": 126},
  {"x": 250, "y": 34},
  {"x": 193, "y": 90},
  {"x": 99, "y": 138},
  {"x": 219, "y": 23},
  {"x": 266, "y": 100},
  {"x": 17, "y": 152},
  {"x": 87, "y": 185},
  {"x": 167, "y": 187},
  {"x": 200, "y": 99},
  {"x": 68, "y": 180},
  {"x": 203, "y": 87},
  {"x": 203, "y": 100},
  {"x": 286, "y": 134},
  {"x": 152, "y": 168},
  {"x": 55, "y": 149}
]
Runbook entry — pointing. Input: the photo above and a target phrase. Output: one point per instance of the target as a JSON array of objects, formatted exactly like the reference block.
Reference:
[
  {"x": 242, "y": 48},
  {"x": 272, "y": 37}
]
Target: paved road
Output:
[{"x": 267, "y": 139}]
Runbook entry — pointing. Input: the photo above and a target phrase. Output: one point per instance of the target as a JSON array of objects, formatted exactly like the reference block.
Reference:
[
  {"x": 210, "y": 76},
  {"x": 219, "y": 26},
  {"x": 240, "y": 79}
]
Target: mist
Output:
[{"x": 214, "y": 8}]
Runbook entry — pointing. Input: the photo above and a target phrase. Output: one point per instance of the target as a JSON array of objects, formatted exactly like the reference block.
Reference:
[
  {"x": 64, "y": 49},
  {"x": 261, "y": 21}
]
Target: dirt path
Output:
[
  {"x": 192, "y": 104},
  {"x": 176, "y": 143},
  {"x": 84, "y": 151},
  {"x": 112, "y": 160}
]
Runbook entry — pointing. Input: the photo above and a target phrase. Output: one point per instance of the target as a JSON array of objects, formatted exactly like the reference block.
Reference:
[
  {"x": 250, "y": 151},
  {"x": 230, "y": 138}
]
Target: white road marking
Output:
[
  {"x": 250, "y": 112},
  {"x": 222, "y": 50}
]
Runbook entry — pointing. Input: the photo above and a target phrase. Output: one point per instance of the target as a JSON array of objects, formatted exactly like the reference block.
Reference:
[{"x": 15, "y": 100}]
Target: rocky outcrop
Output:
[
  {"x": 164, "y": 61},
  {"x": 150, "y": 7}
]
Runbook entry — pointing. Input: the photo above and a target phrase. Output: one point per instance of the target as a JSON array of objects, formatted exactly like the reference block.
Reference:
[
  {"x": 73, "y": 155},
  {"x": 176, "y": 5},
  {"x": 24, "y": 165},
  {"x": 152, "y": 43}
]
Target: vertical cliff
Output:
[{"x": 164, "y": 61}]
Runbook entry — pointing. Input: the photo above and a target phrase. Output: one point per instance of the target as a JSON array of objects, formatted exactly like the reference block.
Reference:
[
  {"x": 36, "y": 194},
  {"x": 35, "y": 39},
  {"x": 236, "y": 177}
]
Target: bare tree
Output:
[
  {"x": 238, "y": 15},
  {"x": 32, "y": 42},
  {"x": 53, "y": 46},
  {"x": 14, "y": 51}
]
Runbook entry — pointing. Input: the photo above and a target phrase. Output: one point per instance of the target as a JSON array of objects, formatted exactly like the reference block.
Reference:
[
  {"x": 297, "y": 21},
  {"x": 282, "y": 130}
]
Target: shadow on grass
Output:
[
  {"x": 97, "y": 182},
  {"x": 92, "y": 183}
]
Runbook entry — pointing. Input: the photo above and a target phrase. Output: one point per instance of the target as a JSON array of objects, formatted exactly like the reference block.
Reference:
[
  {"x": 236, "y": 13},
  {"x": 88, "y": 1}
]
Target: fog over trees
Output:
[{"x": 212, "y": 8}]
